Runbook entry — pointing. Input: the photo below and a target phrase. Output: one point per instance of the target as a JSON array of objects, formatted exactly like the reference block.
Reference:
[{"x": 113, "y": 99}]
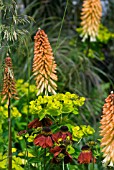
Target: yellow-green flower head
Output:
[
  {"x": 90, "y": 130},
  {"x": 56, "y": 104},
  {"x": 77, "y": 133},
  {"x": 81, "y": 131},
  {"x": 31, "y": 138},
  {"x": 14, "y": 111}
]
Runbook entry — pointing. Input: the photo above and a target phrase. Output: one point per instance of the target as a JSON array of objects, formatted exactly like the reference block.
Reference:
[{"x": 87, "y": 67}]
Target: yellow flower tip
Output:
[
  {"x": 60, "y": 140},
  {"x": 14, "y": 150},
  {"x": 27, "y": 135},
  {"x": 111, "y": 164},
  {"x": 30, "y": 155},
  {"x": 20, "y": 154},
  {"x": 108, "y": 162}
]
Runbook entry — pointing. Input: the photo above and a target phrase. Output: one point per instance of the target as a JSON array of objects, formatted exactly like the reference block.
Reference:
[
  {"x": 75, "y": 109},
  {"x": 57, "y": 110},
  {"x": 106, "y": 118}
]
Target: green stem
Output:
[
  {"x": 67, "y": 167},
  {"x": 61, "y": 119},
  {"x": 29, "y": 71},
  {"x": 28, "y": 62},
  {"x": 28, "y": 98},
  {"x": 88, "y": 47},
  {"x": 9, "y": 137},
  {"x": 0, "y": 29},
  {"x": 26, "y": 155},
  {"x": 45, "y": 159},
  {"x": 61, "y": 26},
  {"x": 63, "y": 165},
  {"x": 93, "y": 165},
  {"x": 85, "y": 166}
]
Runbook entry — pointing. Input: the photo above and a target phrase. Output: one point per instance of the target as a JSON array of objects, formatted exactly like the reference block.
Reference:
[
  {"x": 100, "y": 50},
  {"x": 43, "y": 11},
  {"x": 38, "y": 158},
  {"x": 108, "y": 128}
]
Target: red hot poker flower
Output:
[
  {"x": 60, "y": 154},
  {"x": 86, "y": 156},
  {"x": 9, "y": 89},
  {"x": 107, "y": 131},
  {"x": 62, "y": 134},
  {"x": 44, "y": 139},
  {"x": 44, "y": 66}
]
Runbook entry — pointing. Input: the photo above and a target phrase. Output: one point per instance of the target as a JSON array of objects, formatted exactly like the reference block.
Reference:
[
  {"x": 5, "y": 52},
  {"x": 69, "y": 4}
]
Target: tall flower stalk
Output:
[
  {"x": 9, "y": 91},
  {"x": 44, "y": 66},
  {"x": 107, "y": 131},
  {"x": 90, "y": 16}
]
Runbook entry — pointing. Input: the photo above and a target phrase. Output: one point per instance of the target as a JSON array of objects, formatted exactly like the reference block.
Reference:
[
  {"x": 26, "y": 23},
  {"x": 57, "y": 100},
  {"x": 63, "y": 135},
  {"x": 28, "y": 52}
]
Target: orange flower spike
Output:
[
  {"x": 90, "y": 16},
  {"x": 107, "y": 131},
  {"x": 9, "y": 89},
  {"x": 44, "y": 66}
]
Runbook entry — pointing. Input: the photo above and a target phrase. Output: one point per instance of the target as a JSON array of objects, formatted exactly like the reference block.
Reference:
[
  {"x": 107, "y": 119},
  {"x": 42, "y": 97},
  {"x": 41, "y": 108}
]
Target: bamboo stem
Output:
[{"x": 9, "y": 137}]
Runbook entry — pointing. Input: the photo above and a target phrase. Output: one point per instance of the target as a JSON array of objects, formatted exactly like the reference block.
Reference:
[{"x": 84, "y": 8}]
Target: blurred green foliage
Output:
[{"x": 84, "y": 69}]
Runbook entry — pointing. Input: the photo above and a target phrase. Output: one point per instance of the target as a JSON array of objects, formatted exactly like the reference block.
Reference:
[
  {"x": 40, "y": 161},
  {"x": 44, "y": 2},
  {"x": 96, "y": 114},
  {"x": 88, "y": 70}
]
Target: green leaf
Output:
[
  {"x": 42, "y": 114},
  {"x": 53, "y": 112},
  {"x": 75, "y": 111},
  {"x": 70, "y": 149}
]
